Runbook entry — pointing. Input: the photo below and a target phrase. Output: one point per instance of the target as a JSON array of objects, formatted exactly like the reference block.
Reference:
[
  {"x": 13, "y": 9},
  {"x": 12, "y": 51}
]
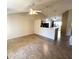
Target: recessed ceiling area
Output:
[{"x": 48, "y": 7}]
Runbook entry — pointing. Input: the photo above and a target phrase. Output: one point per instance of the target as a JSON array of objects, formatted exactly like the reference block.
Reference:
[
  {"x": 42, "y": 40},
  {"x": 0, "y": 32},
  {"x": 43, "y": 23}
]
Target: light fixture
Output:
[{"x": 34, "y": 12}]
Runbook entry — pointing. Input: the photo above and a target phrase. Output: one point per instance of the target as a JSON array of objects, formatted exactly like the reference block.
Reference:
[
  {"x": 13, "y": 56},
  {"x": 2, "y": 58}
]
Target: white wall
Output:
[
  {"x": 23, "y": 24},
  {"x": 37, "y": 26},
  {"x": 19, "y": 25}
]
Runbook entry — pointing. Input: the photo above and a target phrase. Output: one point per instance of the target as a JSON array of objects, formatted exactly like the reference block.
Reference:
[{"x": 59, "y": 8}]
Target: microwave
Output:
[{"x": 47, "y": 24}]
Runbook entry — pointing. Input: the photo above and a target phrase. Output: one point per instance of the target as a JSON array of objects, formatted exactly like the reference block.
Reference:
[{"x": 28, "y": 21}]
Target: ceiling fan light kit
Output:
[{"x": 32, "y": 12}]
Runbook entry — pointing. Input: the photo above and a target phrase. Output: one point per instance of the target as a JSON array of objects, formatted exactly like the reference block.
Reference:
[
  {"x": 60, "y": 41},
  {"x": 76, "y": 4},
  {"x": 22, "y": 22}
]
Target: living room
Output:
[{"x": 39, "y": 29}]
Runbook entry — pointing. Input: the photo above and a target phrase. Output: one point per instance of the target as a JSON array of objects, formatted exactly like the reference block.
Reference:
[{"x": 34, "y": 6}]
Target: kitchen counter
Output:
[{"x": 48, "y": 32}]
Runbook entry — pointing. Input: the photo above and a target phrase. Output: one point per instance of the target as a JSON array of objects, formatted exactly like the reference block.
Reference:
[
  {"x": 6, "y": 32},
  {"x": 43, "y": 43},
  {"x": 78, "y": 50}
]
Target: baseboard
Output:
[
  {"x": 29, "y": 35},
  {"x": 20, "y": 36}
]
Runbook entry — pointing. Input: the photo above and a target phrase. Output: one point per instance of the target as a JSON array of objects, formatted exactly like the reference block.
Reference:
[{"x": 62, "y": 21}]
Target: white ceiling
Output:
[{"x": 48, "y": 7}]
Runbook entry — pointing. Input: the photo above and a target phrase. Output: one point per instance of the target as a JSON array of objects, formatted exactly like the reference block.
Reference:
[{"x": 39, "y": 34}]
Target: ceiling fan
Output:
[{"x": 34, "y": 12}]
